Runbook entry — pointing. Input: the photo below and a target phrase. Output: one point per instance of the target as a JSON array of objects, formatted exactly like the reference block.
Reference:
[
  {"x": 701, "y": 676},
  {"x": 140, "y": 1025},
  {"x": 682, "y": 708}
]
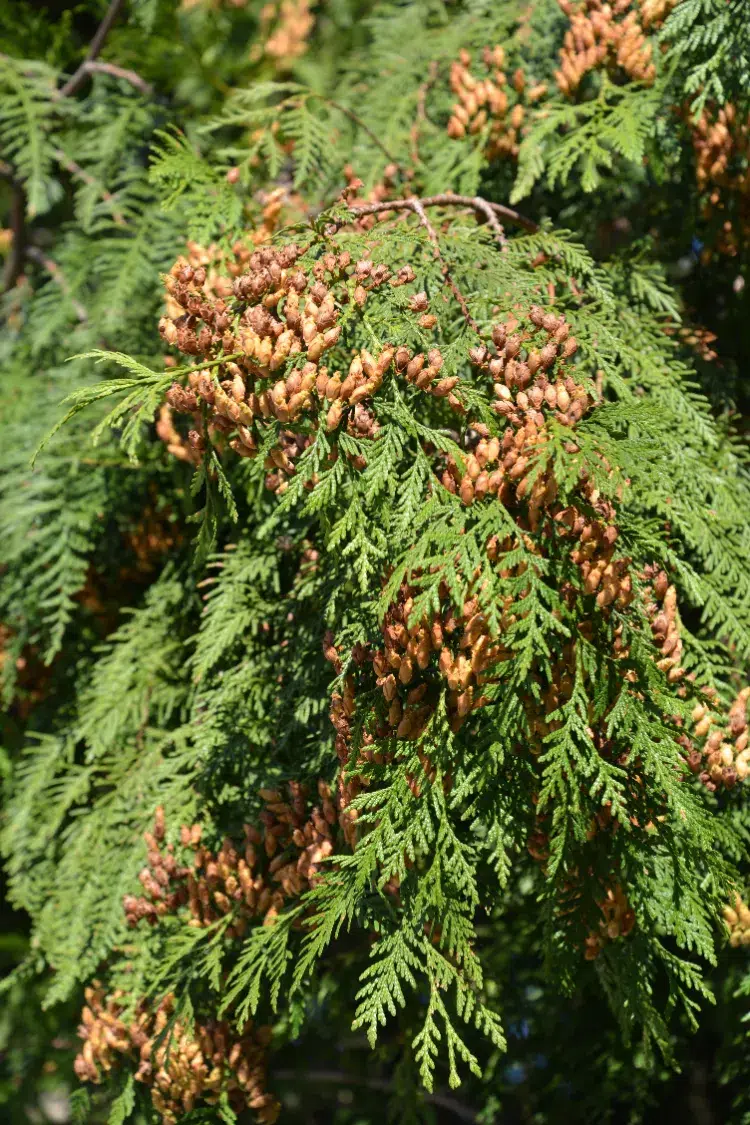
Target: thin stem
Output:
[
  {"x": 417, "y": 207},
  {"x": 130, "y": 76},
  {"x": 77, "y": 79},
  {"x": 52, "y": 268},
  {"x": 485, "y": 208},
  {"x": 211, "y": 363},
  {"x": 357, "y": 121},
  {"x": 449, "y": 199}
]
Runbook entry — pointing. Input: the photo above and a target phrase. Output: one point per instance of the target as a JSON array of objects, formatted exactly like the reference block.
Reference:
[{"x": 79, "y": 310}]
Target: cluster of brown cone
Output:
[
  {"x": 721, "y": 141},
  {"x": 617, "y": 921},
  {"x": 490, "y": 99},
  {"x": 533, "y": 383},
  {"x": 183, "y": 1066},
  {"x": 717, "y": 749},
  {"x": 411, "y": 682},
  {"x": 737, "y": 919},
  {"x": 285, "y": 29},
  {"x": 274, "y": 321},
  {"x": 611, "y": 35},
  {"x": 275, "y": 864}
]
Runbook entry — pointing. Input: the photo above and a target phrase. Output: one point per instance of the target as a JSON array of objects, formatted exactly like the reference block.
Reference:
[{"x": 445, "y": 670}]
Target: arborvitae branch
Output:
[{"x": 456, "y": 712}]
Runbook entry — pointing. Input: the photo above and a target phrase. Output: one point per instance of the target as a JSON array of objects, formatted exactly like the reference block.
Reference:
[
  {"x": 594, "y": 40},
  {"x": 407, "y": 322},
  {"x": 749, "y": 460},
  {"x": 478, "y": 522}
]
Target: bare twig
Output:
[
  {"x": 418, "y": 208},
  {"x": 485, "y": 208},
  {"x": 130, "y": 76},
  {"x": 76, "y": 170},
  {"x": 14, "y": 265},
  {"x": 462, "y": 1112},
  {"x": 52, "y": 268},
  {"x": 449, "y": 199},
  {"x": 79, "y": 76}
]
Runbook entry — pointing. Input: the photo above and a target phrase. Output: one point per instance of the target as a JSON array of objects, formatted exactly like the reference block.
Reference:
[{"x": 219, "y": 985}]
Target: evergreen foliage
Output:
[{"x": 375, "y": 580}]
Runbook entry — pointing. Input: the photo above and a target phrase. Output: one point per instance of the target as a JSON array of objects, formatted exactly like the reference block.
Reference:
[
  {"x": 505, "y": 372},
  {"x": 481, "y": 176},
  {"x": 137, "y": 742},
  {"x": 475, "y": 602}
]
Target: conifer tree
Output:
[{"x": 375, "y": 580}]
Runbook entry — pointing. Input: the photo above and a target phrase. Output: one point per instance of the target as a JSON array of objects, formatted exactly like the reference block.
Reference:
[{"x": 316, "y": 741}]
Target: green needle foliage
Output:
[{"x": 375, "y": 580}]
